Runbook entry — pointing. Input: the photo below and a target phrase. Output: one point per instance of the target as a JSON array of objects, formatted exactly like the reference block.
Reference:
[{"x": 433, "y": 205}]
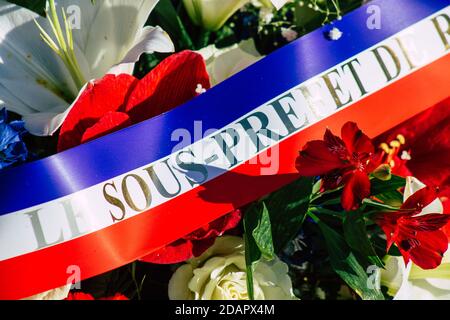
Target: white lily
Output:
[
  {"x": 212, "y": 14},
  {"x": 224, "y": 63},
  {"x": 44, "y": 62},
  {"x": 411, "y": 282}
]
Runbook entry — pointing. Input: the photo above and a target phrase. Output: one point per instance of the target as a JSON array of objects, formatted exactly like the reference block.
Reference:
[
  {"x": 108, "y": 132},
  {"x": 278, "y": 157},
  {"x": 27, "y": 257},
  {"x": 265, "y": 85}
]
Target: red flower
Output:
[
  {"x": 347, "y": 161},
  {"x": 418, "y": 237},
  {"x": 426, "y": 149},
  {"x": 195, "y": 243},
  {"x": 118, "y": 296},
  {"x": 79, "y": 296},
  {"x": 115, "y": 102},
  {"x": 87, "y": 296}
]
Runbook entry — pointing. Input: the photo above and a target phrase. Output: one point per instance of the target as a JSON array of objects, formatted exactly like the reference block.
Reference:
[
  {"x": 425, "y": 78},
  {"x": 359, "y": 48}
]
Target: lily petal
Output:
[
  {"x": 106, "y": 34},
  {"x": 279, "y": 3},
  {"x": 152, "y": 39}
]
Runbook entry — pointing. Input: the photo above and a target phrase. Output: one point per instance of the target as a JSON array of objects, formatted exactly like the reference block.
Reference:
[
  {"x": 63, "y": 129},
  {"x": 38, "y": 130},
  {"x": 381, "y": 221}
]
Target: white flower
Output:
[
  {"x": 55, "y": 294},
  {"x": 411, "y": 282},
  {"x": 224, "y": 63},
  {"x": 335, "y": 34},
  {"x": 289, "y": 34},
  {"x": 220, "y": 274},
  {"x": 35, "y": 83},
  {"x": 212, "y": 14},
  {"x": 266, "y": 15},
  {"x": 279, "y": 3}
]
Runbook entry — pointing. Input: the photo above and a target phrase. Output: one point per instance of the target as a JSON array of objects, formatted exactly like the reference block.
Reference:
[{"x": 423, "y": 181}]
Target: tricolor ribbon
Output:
[{"x": 116, "y": 199}]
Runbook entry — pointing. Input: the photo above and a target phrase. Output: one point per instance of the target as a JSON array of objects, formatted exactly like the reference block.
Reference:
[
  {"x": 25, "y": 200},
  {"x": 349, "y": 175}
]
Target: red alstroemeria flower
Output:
[
  {"x": 87, "y": 297},
  {"x": 195, "y": 243},
  {"x": 115, "y": 102},
  {"x": 418, "y": 236},
  {"x": 347, "y": 161},
  {"x": 425, "y": 153}
]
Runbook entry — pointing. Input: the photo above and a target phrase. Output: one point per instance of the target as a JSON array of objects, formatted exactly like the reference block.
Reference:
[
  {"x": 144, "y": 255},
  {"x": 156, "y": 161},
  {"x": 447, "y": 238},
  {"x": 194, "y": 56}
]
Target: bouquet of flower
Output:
[{"x": 363, "y": 218}]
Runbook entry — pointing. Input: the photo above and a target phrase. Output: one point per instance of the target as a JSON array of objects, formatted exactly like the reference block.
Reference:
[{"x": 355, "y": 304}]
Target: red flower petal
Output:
[
  {"x": 430, "y": 249},
  {"x": 100, "y": 97},
  {"x": 79, "y": 296},
  {"x": 428, "y": 142},
  {"x": 195, "y": 243},
  {"x": 317, "y": 159},
  {"x": 388, "y": 222},
  {"x": 357, "y": 188},
  {"x": 355, "y": 140},
  {"x": 217, "y": 227},
  {"x": 173, "y": 82},
  {"x": 420, "y": 200},
  {"x": 427, "y": 222},
  {"x": 118, "y": 296},
  {"x": 176, "y": 252},
  {"x": 109, "y": 123},
  {"x": 335, "y": 144}
]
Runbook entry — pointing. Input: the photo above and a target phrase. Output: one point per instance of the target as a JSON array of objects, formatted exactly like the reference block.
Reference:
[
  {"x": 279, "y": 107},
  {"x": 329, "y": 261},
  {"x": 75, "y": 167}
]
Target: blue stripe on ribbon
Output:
[{"x": 142, "y": 144}]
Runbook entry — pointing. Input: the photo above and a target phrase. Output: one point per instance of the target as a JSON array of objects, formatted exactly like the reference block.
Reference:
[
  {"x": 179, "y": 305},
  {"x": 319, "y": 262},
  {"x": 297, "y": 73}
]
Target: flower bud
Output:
[{"x": 383, "y": 172}]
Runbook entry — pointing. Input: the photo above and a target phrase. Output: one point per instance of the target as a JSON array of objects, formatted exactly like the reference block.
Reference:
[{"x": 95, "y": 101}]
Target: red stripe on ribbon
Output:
[{"x": 136, "y": 237}]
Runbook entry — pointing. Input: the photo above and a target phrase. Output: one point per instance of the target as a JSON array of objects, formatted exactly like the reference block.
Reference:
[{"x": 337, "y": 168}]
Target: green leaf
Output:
[
  {"x": 166, "y": 16},
  {"x": 393, "y": 198},
  {"x": 355, "y": 234},
  {"x": 379, "y": 205},
  {"x": 37, "y": 6},
  {"x": 381, "y": 187},
  {"x": 269, "y": 226},
  {"x": 346, "y": 265},
  {"x": 252, "y": 251},
  {"x": 287, "y": 209},
  {"x": 263, "y": 234}
]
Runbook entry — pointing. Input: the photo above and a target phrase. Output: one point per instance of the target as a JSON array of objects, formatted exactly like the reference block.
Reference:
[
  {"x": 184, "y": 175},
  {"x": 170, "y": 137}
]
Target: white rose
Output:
[
  {"x": 220, "y": 274},
  {"x": 411, "y": 282}
]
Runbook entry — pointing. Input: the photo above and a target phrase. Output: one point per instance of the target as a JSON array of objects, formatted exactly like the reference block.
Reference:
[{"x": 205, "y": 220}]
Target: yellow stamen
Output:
[
  {"x": 392, "y": 163},
  {"x": 63, "y": 46},
  {"x": 401, "y": 138},
  {"x": 395, "y": 144},
  {"x": 385, "y": 148}
]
